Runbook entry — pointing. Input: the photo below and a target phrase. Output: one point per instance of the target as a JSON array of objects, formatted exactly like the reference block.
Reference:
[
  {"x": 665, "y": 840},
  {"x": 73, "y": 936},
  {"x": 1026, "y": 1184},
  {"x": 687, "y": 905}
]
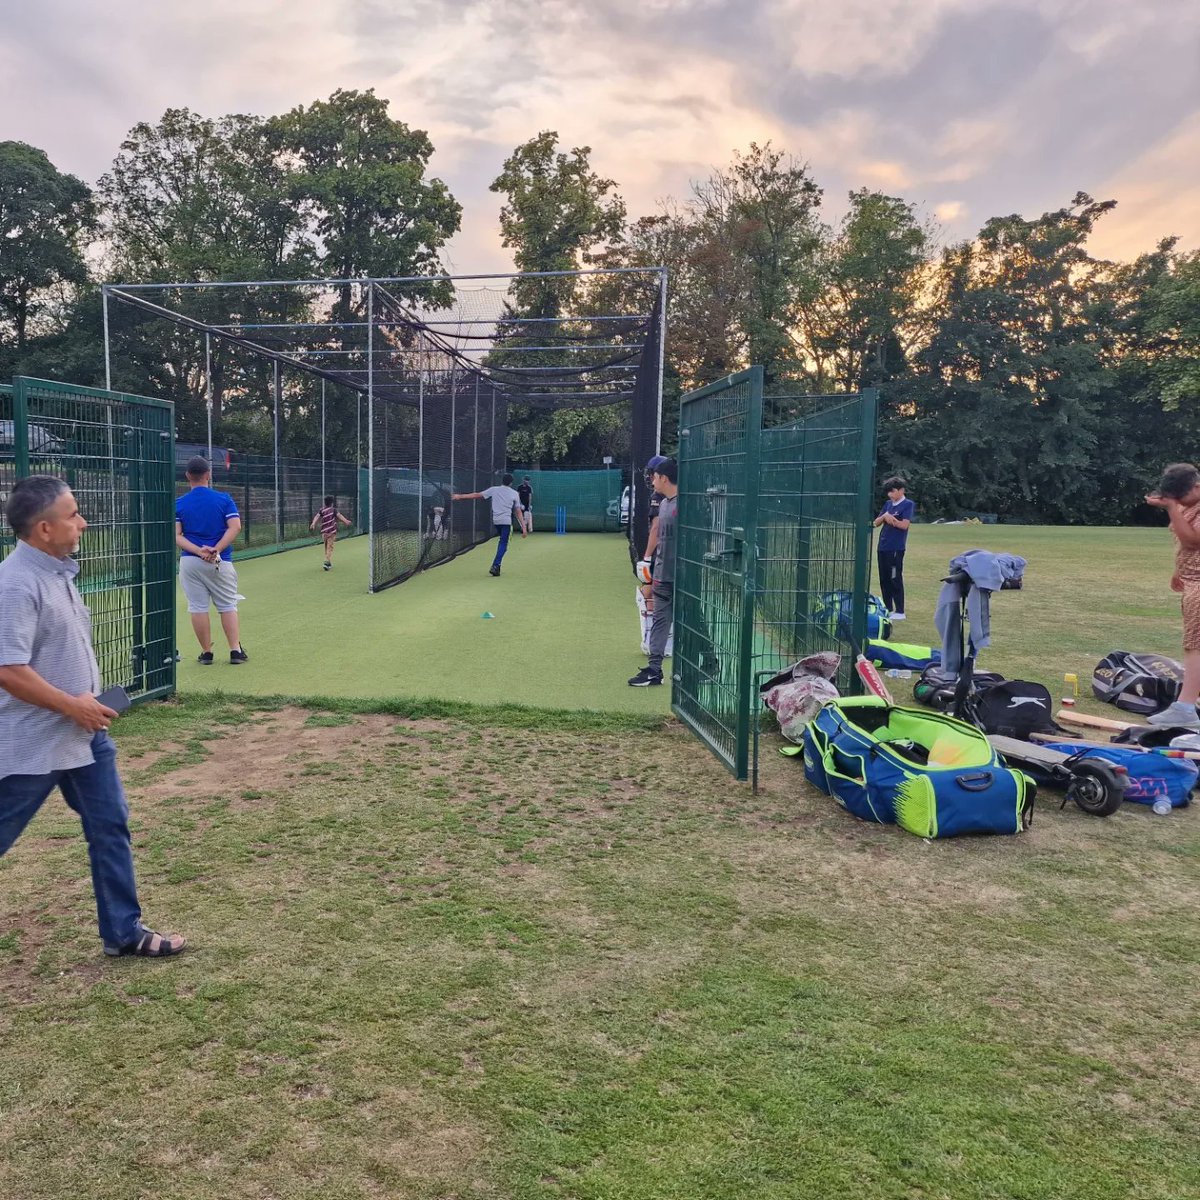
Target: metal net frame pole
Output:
[
  {"x": 371, "y": 435},
  {"x": 420, "y": 449},
  {"x": 662, "y": 346},
  {"x": 475, "y": 458},
  {"x": 107, "y": 353},
  {"x": 324, "y": 489},
  {"x": 278, "y": 386},
  {"x": 208, "y": 390}
]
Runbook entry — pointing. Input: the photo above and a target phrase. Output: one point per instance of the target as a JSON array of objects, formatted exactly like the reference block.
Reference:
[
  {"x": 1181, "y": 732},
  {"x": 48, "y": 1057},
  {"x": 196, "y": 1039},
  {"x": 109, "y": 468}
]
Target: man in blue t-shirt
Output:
[
  {"x": 206, "y": 522},
  {"x": 895, "y": 519}
]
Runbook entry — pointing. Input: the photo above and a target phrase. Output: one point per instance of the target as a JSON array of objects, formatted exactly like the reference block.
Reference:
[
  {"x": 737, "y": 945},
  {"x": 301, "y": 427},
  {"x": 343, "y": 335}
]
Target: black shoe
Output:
[
  {"x": 206, "y": 658},
  {"x": 646, "y": 677},
  {"x": 328, "y": 566},
  {"x": 493, "y": 570},
  {"x": 238, "y": 656}
]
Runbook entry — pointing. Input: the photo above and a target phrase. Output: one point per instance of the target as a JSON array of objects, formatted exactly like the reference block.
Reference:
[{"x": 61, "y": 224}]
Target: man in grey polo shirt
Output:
[{"x": 53, "y": 730}]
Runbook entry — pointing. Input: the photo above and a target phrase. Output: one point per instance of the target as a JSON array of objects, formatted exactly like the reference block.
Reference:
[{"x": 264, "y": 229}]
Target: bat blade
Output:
[{"x": 871, "y": 678}]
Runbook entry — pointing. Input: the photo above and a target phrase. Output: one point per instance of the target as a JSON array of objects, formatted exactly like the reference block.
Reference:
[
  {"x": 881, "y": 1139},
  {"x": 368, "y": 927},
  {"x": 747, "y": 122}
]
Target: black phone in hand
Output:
[{"x": 116, "y": 698}]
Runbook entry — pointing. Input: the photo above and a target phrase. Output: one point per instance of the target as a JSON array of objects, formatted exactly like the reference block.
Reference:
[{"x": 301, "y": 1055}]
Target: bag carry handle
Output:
[{"x": 979, "y": 782}]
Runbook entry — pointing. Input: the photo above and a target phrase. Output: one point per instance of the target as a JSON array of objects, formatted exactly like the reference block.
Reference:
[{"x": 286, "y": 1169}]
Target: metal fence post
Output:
[
  {"x": 20, "y": 428},
  {"x": 278, "y": 484},
  {"x": 371, "y": 432},
  {"x": 863, "y": 512},
  {"x": 745, "y": 665}
]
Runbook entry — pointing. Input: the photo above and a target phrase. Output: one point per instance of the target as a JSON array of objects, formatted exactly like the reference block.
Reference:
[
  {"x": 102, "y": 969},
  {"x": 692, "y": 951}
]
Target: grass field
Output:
[{"x": 495, "y": 954}]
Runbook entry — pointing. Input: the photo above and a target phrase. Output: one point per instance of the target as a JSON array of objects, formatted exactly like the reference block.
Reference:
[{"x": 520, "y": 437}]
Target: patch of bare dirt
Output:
[{"x": 258, "y": 757}]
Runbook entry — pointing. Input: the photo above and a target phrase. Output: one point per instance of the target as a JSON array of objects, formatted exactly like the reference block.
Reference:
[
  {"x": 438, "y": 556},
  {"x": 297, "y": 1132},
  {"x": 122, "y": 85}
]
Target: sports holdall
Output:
[
  {"x": 833, "y": 615},
  {"x": 931, "y": 774},
  {"x": 1151, "y": 776},
  {"x": 1137, "y": 683},
  {"x": 1016, "y": 708},
  {"x": 901, "y": 655}
]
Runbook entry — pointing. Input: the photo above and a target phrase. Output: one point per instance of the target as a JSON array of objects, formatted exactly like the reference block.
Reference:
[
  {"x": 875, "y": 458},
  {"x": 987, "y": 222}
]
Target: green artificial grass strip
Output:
[{"x": 564, "y": 633}]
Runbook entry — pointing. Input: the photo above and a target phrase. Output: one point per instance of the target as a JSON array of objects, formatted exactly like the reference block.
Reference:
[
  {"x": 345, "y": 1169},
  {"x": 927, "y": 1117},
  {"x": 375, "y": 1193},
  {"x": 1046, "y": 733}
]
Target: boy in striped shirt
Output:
[{"x": 328, "y": 518}]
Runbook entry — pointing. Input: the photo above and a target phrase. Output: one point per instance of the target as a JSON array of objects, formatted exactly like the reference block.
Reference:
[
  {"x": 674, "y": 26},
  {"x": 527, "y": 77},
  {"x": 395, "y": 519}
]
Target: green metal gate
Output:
[
  {"x": 774, "y": 523},
  {"x": 117, "y": 454}
]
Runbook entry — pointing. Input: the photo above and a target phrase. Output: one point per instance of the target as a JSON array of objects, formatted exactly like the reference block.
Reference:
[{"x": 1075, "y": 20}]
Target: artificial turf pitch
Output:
[{"x": 563, "y": 634}]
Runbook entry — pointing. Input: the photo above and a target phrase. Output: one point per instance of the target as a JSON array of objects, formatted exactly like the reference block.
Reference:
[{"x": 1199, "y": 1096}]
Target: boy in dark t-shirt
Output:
[
  {"x": 895, "y": 518},
  {"x": 525, "y": 491}
]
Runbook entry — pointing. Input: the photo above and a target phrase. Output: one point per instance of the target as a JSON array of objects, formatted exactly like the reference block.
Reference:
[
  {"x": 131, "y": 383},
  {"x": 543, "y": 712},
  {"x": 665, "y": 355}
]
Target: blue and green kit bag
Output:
[{"x": 927, "y": 772}]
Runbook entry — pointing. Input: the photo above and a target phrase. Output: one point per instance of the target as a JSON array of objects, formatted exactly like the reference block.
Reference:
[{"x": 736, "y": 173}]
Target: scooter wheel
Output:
[{"x": 1096, "y": 787}]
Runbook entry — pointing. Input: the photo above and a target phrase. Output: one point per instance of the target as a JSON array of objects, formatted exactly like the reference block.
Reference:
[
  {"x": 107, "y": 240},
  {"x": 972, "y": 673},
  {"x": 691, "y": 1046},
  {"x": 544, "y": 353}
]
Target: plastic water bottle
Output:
[
  {"x": 898, "y": 673},
  {"x": 1161, "y": 807}
]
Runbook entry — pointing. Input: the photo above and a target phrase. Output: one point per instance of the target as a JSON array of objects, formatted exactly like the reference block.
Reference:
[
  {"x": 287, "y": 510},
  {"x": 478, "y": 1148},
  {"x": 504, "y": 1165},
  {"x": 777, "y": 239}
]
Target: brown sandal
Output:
[{"x": 149, "y": 945}]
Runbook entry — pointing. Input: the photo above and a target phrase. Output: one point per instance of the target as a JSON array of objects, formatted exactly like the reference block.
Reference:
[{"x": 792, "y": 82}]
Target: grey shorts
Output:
[{"x": 204, "y": 583}]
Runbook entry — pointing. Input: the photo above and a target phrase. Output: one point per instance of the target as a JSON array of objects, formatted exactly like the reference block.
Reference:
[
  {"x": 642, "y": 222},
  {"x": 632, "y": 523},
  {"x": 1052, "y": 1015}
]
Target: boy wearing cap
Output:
[{"x": 206, "y": 522}]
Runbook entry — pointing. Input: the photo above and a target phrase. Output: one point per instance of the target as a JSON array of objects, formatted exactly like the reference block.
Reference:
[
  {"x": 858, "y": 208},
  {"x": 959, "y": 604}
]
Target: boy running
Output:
[{"x": 328, "y": 518}]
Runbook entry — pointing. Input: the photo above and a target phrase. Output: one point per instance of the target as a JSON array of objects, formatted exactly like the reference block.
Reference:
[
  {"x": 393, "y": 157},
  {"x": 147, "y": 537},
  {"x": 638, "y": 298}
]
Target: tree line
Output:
[{"x": 1018, "y": 373}]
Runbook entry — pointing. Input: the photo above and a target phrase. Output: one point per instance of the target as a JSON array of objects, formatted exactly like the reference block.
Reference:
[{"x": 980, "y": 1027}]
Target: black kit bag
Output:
[
  {"x": 1137, "y": 683},
  {"x": 1016, "y": 708}
]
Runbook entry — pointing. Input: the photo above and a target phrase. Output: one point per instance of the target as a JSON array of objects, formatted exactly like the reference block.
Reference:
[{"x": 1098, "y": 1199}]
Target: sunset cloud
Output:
[{"x": 1005, "y": 107}]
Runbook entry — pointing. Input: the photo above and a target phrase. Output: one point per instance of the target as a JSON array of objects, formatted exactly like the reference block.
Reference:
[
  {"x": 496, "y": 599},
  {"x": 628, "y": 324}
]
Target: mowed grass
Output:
[
  {"x": 515, "y": 957},
  {"x": 1087, "y": 591}
]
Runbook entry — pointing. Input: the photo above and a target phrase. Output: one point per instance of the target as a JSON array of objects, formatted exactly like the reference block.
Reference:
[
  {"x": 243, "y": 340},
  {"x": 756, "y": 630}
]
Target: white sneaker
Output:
[
  {"x": 896, "y": 616},
  {"x": 1178, "y": 713}
]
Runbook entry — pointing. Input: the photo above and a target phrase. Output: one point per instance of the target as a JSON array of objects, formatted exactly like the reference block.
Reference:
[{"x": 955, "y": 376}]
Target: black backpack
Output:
[
  {"x": 1137, "y": 683},
  {"x": 1016, "y": 708}
]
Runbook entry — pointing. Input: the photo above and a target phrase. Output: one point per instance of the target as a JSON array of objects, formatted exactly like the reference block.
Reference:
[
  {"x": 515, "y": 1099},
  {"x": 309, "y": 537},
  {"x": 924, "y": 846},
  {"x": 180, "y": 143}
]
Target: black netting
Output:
[
  {"x": 445, "y": 436},
  {"x": 433, "y": 367}
]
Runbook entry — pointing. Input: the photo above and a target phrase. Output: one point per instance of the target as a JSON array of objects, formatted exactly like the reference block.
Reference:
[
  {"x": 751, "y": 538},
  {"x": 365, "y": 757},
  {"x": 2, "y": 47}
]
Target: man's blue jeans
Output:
[
  {"x": 503, "y": 531},
  {"x": 96, "y": 794}
]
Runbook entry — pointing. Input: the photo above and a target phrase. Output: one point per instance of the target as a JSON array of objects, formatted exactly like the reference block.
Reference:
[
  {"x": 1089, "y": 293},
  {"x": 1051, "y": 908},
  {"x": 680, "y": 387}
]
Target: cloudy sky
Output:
[{"x": 971, "y": 108}]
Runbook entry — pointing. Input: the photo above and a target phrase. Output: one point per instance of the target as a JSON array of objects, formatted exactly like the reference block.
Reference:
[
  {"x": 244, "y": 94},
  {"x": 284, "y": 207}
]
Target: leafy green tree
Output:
[
  {"x": 358, "y": 178},
  {"x": 46, "y": 218},
  {"x": 759, "y": 240},
  {"x": 1005, "y": 410},
  {"x": 868, "y": 308},
  {"x": 558, "y": 213}
]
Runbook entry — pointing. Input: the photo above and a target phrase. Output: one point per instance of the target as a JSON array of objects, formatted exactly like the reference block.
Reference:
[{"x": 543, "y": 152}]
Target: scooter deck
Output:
[{"x": 1027, "y": 751}]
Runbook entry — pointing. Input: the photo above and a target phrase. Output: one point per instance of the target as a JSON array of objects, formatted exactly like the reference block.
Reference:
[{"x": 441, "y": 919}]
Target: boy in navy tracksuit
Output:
[{"x": 895, "y": 519}]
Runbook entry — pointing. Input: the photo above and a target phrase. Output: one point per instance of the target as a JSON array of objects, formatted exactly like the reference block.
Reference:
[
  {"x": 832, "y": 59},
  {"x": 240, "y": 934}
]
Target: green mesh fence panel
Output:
[
  {"x": 774, "y": 525},
  {"x": 8, "y": 466},
  {"x": 813, "y": 532},
  {"x": 591, "y": 499},
  {"x": 718, "y": 479},
  {"x": 278, "y": 504},
  {"x": 116, "y": 452}
]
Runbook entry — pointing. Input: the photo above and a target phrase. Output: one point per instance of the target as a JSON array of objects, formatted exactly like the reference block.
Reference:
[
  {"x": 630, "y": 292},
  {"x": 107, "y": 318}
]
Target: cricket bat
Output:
[
  {"x": 869, "y": 674},
  {"x": 1078, "y": 720},
  {"x": 1083, "y": 743}
]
